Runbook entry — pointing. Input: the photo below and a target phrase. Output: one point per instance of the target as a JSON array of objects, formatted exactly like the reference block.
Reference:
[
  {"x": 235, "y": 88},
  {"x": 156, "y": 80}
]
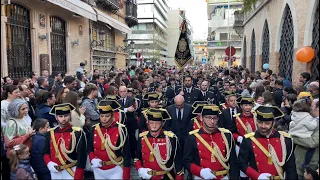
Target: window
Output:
[
  {"x": 149, "y": 26},
  {"x": 108, "y": 41},
  {"x": 223, "y": 36}
]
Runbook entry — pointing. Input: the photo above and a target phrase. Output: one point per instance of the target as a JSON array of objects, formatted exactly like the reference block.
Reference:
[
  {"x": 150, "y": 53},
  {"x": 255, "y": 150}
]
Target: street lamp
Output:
[{"x": 128, "y": 48}]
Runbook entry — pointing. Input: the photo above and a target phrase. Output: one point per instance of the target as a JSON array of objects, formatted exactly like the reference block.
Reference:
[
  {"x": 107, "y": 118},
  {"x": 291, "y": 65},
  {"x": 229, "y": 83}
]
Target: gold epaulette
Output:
[
  {"x": 95, "y": 125},
  {"x": 285, "y": 134},
  {"x": 224, "y": 130},
  {"x": 195, "y": 118},
  {"x": 145, "y": 109},
  {"x": 169, "y": 133},
  {"x": 180, "y": 172},
  {"x": 75, "y": 128},
  {"x": 52, "y": 129},
  {"x": 143, "y": 133},
  {"x": 122, "y": 125},
  {"x": 194, "y": 131},
  {"x": 249, "y": 135}
]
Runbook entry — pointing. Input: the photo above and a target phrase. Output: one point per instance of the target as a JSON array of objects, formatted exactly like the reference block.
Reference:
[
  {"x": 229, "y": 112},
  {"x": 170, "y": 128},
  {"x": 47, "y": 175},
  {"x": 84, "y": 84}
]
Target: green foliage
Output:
[{"x": 248, "y": 4}]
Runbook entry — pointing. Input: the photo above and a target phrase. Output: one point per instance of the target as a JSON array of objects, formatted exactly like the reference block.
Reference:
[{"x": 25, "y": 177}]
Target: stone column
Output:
[{"x": 4, "y": 61}]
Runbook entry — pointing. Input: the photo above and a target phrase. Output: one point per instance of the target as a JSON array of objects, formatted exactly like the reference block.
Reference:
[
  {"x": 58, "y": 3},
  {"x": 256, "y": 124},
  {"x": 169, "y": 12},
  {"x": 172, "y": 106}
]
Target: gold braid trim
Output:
[
  {"x": 278, "y": 165},
  {"x": 64, "y": 150}
]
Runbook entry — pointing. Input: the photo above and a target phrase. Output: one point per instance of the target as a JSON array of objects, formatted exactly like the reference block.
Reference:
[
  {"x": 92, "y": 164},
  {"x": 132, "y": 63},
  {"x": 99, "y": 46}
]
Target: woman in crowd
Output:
[
  {"x": 17, "y": 130},
  {"x": 268, "y": 99},
  {"x": 45, "y": 101},
  {"x": 77, "y": 115},
  {"x": 11, "y": 93},
  {"x": 61, "y": 95},
  {"x": 24, "y": 95}
]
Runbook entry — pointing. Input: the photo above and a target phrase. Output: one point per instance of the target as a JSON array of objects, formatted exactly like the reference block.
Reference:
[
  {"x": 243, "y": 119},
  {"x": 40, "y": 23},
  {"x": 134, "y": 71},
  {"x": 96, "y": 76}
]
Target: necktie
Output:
[
  {"x": 204, "y": 94},
  {"x": 123, "y": 101},
  {"x": 179, "y": 115},
  {"x": 232, "y": 113}
]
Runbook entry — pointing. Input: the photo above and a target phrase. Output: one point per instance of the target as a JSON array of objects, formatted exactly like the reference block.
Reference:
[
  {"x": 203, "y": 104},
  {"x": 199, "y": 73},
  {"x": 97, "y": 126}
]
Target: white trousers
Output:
[
  {"x": 63, "y": 174},
  {"x": 114, "y": 173},
  {"x": 242, "y": 174}
]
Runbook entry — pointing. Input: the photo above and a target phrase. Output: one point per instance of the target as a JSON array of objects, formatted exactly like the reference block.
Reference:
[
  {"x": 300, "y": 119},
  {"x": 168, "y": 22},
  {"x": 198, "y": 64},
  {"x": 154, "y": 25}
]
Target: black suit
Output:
[
  {"x": 131, "y": 123},
  {"x": 225, "y": 118},
  {"x": 194, "y": 95},
  {"x": 175, "y": 89},
  {"x": 179, "y": 127},
  {"x": 169, "y": 94},
  {"x": 210, "y": 97}
]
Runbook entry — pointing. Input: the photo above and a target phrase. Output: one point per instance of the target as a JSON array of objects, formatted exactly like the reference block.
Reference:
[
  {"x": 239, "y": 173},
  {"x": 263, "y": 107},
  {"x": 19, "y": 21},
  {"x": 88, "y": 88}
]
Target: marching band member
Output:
[
  {"x": 153, "y": 102},
  {"x": 196, "y": 122},
  {"x": 108, "y": 145},
  {"x": 65, "y": 152},
  {"x": 267, "y": 153},
  {"x": 209, "y": 152},
  {"x": 244, "y": 122},
  {"x": 158, "y": 154},
  {"x": 118, "y": 115}
]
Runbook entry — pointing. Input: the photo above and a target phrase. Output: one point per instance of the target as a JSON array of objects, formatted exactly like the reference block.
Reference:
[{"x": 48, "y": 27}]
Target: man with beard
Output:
[
  {"x": 267, "y": 153},
  {"x": 156, "y": 80},
  {"x": 153, "y": 102},
  {"x": 207, "y": 95},
  {"x": 108, "y": 155},
  {"x": 65, "y": 151},
  {"x": 158, "y": 153},
  {"x": 190, "y": 93},
  {"x": 209, "y": 151}
]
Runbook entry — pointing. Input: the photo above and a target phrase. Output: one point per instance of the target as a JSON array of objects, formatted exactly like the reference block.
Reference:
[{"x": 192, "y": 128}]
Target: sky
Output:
[{"x": 196, "y": 12}]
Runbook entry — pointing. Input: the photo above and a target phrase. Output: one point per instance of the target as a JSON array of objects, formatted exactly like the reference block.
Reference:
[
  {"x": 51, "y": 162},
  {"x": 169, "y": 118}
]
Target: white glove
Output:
[
  {"x": 51, "y": 166},
  {"x": 143, "y": 173},
  {"x": 239, "y": 139},
  {"x": 264, "y": 176},
  {"x": 207, "y": 174},
  {"x": 225, "y": 178},
  {"x": 95, "y": 163}
]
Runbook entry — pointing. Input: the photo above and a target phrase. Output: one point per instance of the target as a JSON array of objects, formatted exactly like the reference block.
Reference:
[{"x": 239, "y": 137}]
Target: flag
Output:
[{"x": 183, "y": 54}]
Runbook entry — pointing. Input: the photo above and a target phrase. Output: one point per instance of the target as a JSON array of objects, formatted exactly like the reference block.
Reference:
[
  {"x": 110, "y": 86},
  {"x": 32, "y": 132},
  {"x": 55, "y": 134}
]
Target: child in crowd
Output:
[
  {"x": 20, "y": 163},
  {"x": 310, "y": 172},
  {"x": 38, "y": 141}
]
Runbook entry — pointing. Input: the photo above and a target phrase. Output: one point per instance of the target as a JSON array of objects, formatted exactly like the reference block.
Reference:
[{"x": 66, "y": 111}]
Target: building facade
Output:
[
  {"x": 175, "y": 18},
  {"x": 200, "y": 52},
  {"x": 220, "y": 30},
  {"x": 56, "y": 35},
  {"x": 274, "y": 30},
  {"x": 150, "y": 35}
]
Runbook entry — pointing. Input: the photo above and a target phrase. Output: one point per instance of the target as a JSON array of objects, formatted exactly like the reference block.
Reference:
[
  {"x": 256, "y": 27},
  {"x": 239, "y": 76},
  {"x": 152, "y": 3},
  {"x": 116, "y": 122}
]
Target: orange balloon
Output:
[{"x": 305, "y": 54}]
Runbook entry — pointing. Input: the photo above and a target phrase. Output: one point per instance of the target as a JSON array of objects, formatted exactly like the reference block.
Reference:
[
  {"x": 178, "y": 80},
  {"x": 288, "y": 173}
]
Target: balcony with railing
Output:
[
  {"x": 223, "y": 44},
  {"x": 131, "y": 13},
  {"x": 109, "y": 5}
]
